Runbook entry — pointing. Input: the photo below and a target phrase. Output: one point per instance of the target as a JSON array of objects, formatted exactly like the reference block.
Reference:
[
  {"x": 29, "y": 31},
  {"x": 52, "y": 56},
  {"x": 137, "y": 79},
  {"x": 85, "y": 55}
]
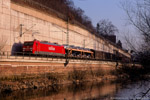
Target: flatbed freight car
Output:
[{"x": 78, "y": 52}]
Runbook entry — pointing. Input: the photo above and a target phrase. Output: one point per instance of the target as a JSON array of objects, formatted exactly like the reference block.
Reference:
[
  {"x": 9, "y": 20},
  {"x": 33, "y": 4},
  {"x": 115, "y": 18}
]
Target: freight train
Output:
[{"x": 53, "y": 49}]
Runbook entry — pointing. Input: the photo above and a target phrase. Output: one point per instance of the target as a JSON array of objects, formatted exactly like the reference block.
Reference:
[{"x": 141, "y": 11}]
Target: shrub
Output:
[{"x": 77, "y": 75}]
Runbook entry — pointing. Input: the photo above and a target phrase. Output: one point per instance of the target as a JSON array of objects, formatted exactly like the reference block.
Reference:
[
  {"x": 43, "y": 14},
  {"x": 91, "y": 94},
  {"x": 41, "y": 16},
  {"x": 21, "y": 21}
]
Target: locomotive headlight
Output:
[{"x": 24, "y": 49}]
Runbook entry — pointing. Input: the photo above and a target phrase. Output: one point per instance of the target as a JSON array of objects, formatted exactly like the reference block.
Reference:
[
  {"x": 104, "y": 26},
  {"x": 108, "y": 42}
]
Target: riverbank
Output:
[
  {"x": 104, "y": 90},
  {"x": 74, "y": 76},
  {"x": 13, "y": 83}
]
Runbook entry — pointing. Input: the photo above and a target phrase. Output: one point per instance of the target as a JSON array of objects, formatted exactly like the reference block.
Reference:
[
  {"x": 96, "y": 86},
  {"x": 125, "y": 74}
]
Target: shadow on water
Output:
[
  {"x": 138, "y": 90},
  {"x": 107, "y": 90}
]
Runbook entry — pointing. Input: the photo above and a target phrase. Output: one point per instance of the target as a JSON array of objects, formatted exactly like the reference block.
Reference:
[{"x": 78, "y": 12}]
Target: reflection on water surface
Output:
[{"x": 86, "y": 91}]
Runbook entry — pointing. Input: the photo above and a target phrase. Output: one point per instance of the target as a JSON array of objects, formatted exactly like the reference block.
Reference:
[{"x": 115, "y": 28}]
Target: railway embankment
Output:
[{"x": 17, "y": 73}]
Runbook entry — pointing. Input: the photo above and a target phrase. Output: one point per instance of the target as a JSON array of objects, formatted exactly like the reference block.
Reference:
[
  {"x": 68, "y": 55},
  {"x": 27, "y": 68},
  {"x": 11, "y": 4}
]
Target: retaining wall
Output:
[
  {"x": 34, "y": 24},
  {"x": 11, "y": 67}
]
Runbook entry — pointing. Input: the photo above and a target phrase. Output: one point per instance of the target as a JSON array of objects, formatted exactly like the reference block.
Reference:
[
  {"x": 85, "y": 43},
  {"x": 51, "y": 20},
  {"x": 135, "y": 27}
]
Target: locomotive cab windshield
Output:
[{"x": 28, "y": 46}]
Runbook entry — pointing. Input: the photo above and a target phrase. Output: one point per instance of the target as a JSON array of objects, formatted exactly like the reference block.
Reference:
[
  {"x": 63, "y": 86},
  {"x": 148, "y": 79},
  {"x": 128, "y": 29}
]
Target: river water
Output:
[{"x": 107, "y": 90}]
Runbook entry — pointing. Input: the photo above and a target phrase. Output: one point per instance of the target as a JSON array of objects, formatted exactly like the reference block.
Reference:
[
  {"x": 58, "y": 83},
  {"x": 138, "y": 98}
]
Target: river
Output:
[{"x": 107, "y": 90}]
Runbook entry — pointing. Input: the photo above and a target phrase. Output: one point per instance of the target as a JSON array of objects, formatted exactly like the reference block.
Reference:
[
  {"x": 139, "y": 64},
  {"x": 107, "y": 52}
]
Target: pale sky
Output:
[
  {"x": 107, "y": 9},
  {"x": 103, "y": 9}
]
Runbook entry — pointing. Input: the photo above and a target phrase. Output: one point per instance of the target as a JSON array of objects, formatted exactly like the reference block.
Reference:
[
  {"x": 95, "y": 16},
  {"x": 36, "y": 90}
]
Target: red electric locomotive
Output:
[{"x": 43, "y": 48}]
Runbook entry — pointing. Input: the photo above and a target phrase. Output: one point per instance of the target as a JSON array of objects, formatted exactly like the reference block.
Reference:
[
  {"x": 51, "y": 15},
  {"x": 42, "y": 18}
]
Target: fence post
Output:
[
  {"x": 23, "y": 55},
  {"x": 7, "y": 54},
  {"x": 36, "y": 56},
  {"x": 1, "y": 54},
  {"x": 29, "y": 56}
]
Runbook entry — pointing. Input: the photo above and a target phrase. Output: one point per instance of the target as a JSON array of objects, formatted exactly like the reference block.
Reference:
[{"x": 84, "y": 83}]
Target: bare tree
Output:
[
  {"x": 131, "y": 41},
  {"x": 138, "y": 13},
  {"x": 105, "y": 27}
]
